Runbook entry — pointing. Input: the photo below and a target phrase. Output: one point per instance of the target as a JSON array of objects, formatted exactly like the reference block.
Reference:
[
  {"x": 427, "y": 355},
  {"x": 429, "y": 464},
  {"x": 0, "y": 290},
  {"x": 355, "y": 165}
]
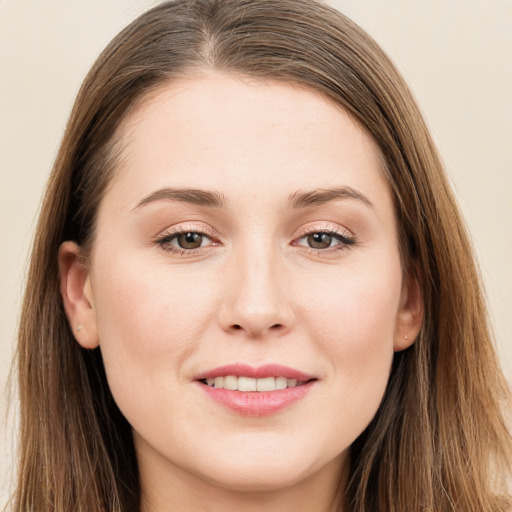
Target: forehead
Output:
[{"x": 243, "y": 136}]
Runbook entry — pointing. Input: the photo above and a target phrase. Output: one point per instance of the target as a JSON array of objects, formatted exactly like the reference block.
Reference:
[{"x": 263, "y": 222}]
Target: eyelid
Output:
[
  {"x": 324, "y": 227},
  {"x": 163, "y": 238},
  {"x": 184, "y": 227},
  {"x": 346, "y": 238}
]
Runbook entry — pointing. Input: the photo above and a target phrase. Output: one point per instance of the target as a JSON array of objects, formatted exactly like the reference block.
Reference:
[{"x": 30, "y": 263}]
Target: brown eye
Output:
[
  {"x": 190, "y": 240},
  {"x": 185, "y": 243},
  {"x": 319, "y": 240},
  {"x": 325, "y": 241}
]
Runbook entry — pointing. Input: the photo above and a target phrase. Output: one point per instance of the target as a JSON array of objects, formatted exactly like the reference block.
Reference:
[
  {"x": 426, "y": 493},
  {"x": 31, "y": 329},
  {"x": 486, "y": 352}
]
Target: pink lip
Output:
[
  {"x": 244, "y": 370},
  {"x": 257, "y": 403}
]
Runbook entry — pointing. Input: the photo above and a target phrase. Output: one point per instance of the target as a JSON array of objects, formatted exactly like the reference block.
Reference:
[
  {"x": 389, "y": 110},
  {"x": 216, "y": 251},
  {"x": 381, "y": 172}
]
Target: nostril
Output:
[{"x": 255, "y": 330}]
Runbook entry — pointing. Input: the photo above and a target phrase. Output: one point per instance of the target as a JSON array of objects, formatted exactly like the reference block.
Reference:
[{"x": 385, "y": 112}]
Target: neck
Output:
[{"x": 167, "y": 488}]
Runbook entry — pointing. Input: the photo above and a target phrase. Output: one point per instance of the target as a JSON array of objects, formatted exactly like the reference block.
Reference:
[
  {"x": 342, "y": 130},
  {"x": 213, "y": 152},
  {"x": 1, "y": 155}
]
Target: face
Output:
[{"x": 247, "y": 243}]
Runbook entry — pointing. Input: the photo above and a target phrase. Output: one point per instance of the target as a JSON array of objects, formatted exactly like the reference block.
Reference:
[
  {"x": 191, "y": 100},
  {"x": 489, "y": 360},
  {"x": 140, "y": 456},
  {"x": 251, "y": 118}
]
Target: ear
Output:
[
  {"x": 410, "y": 314},
  {"x": 76, "y": 291}
]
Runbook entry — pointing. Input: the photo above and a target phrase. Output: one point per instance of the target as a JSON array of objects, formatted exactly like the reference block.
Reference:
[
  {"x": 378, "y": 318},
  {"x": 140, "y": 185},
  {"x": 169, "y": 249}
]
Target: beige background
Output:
[{"x": 455, "y": 54}]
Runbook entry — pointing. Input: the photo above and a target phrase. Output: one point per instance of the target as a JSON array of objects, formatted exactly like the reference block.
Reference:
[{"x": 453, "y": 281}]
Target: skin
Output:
[{"x": 255, "y": 292}]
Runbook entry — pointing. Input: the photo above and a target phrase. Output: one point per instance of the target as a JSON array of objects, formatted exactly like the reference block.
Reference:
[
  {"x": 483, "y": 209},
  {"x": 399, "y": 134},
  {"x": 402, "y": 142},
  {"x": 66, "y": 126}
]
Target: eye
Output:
[
  {"x": 184, "y": 241},
  {"x": 324, "y": 240},
  {"x": 320, "y": 240},
  {"x": 191, "y": 240}
]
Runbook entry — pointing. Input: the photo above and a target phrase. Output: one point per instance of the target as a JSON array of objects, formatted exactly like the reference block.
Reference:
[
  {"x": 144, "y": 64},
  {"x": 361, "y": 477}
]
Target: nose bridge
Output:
[{"x": 255, "y": 300}]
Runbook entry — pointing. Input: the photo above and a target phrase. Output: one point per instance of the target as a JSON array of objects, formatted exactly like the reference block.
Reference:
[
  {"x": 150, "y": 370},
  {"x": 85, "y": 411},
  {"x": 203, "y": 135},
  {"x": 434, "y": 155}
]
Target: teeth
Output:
[
  {"x": 248, "y": 384},
  {"x": 267, "y": 384},
  {"x": 281, "y": 382},
  {"x": 231, "y": 382}
]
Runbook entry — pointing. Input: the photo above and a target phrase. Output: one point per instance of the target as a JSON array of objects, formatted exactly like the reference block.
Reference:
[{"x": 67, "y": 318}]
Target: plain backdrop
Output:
[{"x": 455, "y": 54}]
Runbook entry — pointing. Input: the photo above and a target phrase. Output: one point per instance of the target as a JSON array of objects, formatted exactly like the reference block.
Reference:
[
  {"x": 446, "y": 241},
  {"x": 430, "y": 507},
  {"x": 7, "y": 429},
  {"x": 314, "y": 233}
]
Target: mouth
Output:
[
  {"x": 255, "y": 391},
  {"x": 248, "y": 384}
]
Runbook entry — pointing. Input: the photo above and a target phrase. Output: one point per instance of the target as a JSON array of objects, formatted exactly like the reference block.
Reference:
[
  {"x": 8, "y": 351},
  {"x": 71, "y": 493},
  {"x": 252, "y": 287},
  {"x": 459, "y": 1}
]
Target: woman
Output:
[{"x": 253, "y": 283}]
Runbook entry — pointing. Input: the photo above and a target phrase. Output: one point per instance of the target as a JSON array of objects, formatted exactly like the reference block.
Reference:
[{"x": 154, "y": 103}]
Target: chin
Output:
[
  {"x": 271, "y": 471},
  {"x": 261, "y": 478}
]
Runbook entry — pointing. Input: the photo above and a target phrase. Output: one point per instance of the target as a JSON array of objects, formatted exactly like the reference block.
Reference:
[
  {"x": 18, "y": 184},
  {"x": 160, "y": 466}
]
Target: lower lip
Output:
[{"x": 257, "y": 403}]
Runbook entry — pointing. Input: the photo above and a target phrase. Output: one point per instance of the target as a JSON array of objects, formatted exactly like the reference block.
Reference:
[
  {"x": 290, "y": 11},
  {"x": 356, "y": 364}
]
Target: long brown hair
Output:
[{"x": 438, "y": 441}]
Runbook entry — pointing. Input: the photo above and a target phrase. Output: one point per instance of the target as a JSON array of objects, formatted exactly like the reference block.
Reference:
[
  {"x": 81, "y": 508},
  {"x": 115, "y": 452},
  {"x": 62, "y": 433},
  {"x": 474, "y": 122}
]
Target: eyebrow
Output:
[
  {"x": 217, "y": 200},
  {"x": 186, "y": 195},
  {"x": 321, "y": 196}
]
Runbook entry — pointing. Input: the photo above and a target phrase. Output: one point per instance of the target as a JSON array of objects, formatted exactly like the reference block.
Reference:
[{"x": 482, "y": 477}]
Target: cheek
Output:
[
  {"x": 149, "y": 301},
  {"x": 353, "y": 321},
  {"x": 355, "y": 309},
  {"x": 149, "y": 322}
]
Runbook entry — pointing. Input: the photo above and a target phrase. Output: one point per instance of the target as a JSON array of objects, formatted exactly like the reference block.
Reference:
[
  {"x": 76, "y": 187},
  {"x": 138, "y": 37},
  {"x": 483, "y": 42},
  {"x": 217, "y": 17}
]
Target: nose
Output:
[{"x": 256, "y": 301}]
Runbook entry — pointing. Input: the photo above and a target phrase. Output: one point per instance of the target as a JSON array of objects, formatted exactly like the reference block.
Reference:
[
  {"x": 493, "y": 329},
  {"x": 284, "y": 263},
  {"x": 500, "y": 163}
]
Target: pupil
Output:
[
  {"x": 190, "y": 240},
  {"x": 319, "y": 240}
]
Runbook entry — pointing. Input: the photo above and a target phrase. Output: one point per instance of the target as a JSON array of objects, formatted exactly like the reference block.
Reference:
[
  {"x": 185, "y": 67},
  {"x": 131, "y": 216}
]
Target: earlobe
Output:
[
  {"x": 77, "y": 295},
  {"x": 410, "y": 314}
]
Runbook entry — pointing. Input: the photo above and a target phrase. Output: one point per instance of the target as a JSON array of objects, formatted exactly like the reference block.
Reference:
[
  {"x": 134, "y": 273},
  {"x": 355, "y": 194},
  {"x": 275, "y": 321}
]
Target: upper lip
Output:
[{"x": 259, "y": 372}]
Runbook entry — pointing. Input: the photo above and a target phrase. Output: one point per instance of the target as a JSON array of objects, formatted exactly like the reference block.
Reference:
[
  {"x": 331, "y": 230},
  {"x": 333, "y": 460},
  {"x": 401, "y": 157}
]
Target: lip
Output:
[
  {"x": 257, "y": 403},
  {"x": 260, "y": 372}
]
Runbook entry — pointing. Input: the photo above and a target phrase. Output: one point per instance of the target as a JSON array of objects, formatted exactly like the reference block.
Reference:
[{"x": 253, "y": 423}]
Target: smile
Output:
[
  {"x": 248, "y": 384},
  {"x": 253, "y": 391}
]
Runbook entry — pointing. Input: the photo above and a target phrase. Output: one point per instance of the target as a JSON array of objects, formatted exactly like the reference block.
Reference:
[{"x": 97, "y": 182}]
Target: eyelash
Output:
[
  {"x": 164, "y": 242},
  {"x": 345, "y": 240}
]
